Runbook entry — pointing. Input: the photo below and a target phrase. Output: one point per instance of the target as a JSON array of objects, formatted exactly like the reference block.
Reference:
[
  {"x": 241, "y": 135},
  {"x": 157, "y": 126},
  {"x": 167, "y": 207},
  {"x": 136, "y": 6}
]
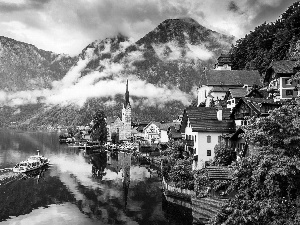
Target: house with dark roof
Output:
[
  {"x": 234, "y": 95},
  {"x": 224, "y": 62},
  {"x": 245, "y": 109},
  {"x": 203, "y": 128},
  {"x": 218, "y": 82},
  {"x": 278, "y": 77}
]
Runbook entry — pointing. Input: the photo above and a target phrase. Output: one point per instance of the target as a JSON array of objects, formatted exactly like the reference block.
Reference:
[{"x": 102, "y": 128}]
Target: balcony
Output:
[{"x": 189, "y": 142}]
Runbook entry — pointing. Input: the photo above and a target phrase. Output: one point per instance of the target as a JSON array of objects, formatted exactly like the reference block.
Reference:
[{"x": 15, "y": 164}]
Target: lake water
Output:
[{"x": 79, "y": 188}]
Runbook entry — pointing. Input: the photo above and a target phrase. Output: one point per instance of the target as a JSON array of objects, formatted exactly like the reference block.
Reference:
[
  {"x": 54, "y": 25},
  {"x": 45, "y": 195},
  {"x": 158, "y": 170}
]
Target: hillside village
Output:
[{"x": 225, "y": 105}]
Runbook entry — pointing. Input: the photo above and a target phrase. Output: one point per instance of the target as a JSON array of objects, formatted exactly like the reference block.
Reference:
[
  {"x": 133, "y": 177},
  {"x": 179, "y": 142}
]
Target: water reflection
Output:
[{"x": 105, "y": 188}]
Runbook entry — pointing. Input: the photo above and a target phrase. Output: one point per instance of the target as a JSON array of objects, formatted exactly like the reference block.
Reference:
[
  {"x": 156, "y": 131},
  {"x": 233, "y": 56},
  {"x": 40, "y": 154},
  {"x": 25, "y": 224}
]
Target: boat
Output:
[{"x": 32, "y": 163}]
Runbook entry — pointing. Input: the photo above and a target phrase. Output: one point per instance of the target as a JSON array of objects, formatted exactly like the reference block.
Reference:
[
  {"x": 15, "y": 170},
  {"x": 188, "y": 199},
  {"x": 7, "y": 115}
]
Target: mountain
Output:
[
  {"x": 173, "y": 54},
  {"x": 168, "y": 62},
  {"x": 25, "y": 67}
]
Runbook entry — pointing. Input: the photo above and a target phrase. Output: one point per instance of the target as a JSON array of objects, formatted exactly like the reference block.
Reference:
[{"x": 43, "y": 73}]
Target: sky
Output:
[{"x": 68, "y": 26}]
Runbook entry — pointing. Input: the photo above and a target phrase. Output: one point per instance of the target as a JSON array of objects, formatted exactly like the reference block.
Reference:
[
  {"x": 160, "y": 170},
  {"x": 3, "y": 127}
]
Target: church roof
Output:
[{"x": 232, "y": 77}]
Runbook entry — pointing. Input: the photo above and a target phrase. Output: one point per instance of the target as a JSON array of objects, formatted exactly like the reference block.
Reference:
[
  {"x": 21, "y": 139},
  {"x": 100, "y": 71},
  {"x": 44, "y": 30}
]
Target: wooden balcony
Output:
[{"x": 189, "y": 142}]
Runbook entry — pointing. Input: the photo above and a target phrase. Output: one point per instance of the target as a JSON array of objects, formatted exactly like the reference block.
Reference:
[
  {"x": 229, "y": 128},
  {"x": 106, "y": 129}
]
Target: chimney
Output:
[{"x": 219, "y": 113}]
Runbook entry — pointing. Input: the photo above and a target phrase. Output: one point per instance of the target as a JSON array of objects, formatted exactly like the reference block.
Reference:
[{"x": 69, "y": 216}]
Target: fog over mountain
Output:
[{"x": 165, "y": 65}]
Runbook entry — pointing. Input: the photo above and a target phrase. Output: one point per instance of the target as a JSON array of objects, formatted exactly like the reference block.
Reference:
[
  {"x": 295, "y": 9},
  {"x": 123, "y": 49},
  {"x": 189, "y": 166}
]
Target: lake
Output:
[{"x": 78, "y": 188}]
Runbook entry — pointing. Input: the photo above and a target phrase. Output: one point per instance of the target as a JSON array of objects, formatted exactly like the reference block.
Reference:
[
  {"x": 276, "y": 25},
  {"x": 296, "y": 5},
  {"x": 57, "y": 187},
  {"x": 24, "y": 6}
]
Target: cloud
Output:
[
  {"x": 68, "y": 26},
  {"x": 75, "y": 88}
]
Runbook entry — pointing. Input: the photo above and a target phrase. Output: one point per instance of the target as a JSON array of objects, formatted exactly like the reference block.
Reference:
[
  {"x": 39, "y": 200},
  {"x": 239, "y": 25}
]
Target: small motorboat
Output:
[{"x": 32, "y": 163}]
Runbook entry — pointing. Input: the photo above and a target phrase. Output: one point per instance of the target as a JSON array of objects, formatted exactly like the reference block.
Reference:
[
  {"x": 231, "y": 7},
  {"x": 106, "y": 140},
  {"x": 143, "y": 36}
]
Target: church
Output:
[{"x": 121, "y": 127}]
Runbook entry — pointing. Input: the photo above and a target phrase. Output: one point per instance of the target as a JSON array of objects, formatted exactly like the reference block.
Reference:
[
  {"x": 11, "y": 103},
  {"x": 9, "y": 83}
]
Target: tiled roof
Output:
[
  {"x": 238, "y": 92},
  {"x": 232, "y": 77},
  {"x": 219, "y": 89},
  {"x": 224, "y": 59},
  {"x": 218, "y": 173},
  {"x": 283, "y": 66},
  {"x": 256, "y": 103},
  {"x": 205, "y": 119},
  {"x": 212, "y": 125},
  {"x": 206, "y": 113},
  {"x": 166, "y": 126}
]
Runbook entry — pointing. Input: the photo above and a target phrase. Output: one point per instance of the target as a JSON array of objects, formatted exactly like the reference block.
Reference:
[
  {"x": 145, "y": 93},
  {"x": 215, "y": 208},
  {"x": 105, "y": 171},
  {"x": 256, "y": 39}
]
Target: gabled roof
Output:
[
  {"x": 206, "y": 113},
  {"x": 224, "y": 59},
  {"x": 238, "y": 92},
  {"x": 232, "y": 77},
  {"x": 218, "y": 173},
  {"x": 284, "y": 66},
  {"x": 256, "y": 103},
  {"x": 219, "y": 89},
  {"x": 204, "y": 119}
]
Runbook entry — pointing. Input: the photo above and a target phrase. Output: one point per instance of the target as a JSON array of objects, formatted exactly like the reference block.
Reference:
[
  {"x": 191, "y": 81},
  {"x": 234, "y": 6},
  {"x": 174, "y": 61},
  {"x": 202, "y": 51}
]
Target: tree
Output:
[
  {"x": 267, "y": 182},
  {"x": 99, "y": 130},
  {"x": 224, "y": 155}
]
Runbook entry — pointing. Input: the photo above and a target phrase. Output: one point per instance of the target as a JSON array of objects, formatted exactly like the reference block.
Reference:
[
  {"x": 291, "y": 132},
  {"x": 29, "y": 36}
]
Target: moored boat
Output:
[{"x": 32, "y": 163}]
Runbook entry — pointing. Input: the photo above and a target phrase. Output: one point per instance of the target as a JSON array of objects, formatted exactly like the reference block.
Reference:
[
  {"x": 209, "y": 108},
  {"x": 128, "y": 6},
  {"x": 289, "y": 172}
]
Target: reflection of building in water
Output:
[
  {"x": 116, "y": 164},
  {"x": 126, "y": 163}
]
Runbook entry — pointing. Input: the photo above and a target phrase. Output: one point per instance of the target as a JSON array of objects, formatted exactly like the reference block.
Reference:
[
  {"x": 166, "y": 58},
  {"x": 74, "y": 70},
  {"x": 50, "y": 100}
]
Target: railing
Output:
[{"x": 188, "y": 142}]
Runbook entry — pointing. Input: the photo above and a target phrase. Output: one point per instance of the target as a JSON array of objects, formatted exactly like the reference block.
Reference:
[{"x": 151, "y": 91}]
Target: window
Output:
[
  {"x": 287, "y": 81},
  {"x": 208, "y": 152},
  {"x": 208, "y": 139},
  {"x": 186, "y": 137},
  {"x": 289, "y": 92},
  {"x": 244, "y": 122},
  {"x": 195, "y": 138}
]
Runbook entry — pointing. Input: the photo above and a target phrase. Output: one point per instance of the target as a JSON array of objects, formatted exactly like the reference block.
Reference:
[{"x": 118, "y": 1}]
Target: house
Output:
[
  {"x": 218, "y": 83},
  {"x": 152, "y": 132},
  {"x": 224, "y": 62},
  {"x": 241, "y": 113},
  {"x": 203, "y": 128},
  {"x": 249, "y": 107},
  {"x": 278, "y": 77},
  {"x": 156, "y": 132},
  {"x": 234, "y": 95}
]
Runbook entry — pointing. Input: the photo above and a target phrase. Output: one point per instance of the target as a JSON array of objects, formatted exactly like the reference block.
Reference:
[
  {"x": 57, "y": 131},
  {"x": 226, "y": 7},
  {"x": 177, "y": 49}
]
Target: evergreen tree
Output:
[{"x": 99, "y": 130}]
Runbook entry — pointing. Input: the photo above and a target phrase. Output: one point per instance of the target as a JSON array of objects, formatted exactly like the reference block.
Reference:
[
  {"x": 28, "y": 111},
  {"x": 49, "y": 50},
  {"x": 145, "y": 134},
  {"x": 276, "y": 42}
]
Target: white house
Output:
[
  {"x": 156, "y": 132},
  {"x": 278, "y": 75},
  {"x": 218, "y": 83},
  {"x": 203, "y": 128}
]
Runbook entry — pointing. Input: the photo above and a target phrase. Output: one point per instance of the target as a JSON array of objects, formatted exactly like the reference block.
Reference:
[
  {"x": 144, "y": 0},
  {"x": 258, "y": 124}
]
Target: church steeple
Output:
[{"x": 127, "y": 96}]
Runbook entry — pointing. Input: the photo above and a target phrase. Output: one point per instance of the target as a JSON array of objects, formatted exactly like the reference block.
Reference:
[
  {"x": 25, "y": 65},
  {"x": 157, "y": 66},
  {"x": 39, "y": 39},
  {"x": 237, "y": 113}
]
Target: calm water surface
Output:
[{"x": 79, "y": 188}]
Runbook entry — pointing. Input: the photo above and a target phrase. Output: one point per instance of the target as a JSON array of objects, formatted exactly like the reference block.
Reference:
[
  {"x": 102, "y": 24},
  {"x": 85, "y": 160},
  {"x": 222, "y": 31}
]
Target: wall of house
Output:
[
  {"x": 202, "y": 94},
  {"x": 286, "y": 88},
  {"x": 202, "y": 147},
  {"x": 152, "y": 132},
  {"x": 215, "y": 96},
  {"x": 164, "y": 136},
  {"x": 224, "y": 67}
]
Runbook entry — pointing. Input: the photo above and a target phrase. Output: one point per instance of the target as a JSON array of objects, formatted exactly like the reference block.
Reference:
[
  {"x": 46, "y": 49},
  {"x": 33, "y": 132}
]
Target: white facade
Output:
[
  {"x": 152, "y": 132},
  {"x": 205, "y": 145},
  {"x": 203, "y": 93},
  {"x": 224, "y": 67},
  {"x": 164, "y": 136}
]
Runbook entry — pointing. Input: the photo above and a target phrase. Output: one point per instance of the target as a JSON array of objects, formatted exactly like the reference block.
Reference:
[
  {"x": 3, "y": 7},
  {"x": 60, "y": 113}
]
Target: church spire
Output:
[{"x": 127, "y": 95}]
